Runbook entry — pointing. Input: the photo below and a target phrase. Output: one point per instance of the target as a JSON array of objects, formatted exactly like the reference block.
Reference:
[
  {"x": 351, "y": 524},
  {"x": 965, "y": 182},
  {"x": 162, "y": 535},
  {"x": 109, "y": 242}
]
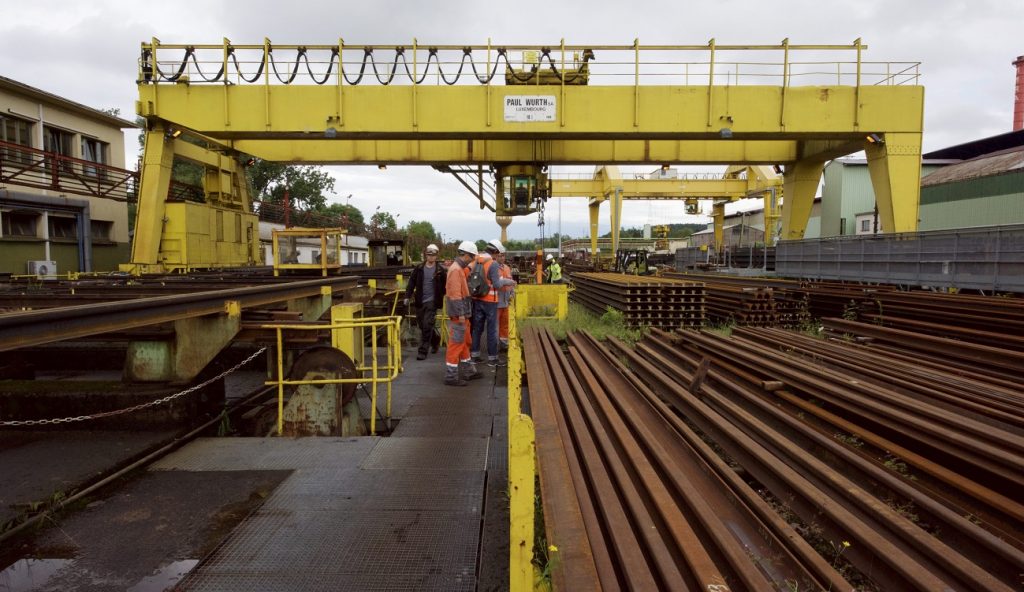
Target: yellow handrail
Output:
[{"x": 392, "y": 368}]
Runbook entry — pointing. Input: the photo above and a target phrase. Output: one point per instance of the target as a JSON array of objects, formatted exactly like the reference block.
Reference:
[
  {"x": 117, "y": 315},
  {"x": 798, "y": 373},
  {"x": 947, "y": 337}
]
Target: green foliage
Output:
[
  {"x": 725, "y": 329},
  {"x": 418, "y": 235},
  {"x": 383, "y": 221},
  {"x": 355, "y": 216},
  {"x": 580, "y": 319},
  {"x": 307, "y": 186}
]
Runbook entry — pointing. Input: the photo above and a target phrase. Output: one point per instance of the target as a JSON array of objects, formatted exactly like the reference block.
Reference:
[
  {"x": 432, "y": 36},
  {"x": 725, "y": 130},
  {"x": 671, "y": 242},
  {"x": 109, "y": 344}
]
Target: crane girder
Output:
[{"x": 561, "y": 111}]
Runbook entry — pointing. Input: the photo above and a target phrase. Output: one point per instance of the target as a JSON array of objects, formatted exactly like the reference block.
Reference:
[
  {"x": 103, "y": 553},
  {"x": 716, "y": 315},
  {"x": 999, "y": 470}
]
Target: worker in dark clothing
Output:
[{"x": 425, "y": 291}]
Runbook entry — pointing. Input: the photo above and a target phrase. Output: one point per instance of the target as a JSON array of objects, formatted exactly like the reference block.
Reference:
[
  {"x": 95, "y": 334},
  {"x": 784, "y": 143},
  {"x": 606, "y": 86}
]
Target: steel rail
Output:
[
  {"x": 584, "y": 559},
  {"x": 981, "y": 400},
  {"x": 941, "y": 432},
  {"x": 869, "y": 550},
  {"x": 976, "y": 353},
  {"x": 977, "y": 544},
  {"x": 625, "y": 545},
  {"x": 731, "y": 531},
  {"x": 23, "y": 329}
]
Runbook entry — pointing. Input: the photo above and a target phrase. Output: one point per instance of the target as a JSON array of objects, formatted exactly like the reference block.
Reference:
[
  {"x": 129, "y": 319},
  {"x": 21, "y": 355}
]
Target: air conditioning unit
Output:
[{"x": 42, "y": 269}]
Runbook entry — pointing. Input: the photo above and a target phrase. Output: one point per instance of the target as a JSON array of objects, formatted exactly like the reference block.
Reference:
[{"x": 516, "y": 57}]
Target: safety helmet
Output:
[
  {"x": 468, "y": 247},
  {"x": 495, "y": 245},
  {"x": 550, "y": 256},
  {"x": 431, "y": 249}
]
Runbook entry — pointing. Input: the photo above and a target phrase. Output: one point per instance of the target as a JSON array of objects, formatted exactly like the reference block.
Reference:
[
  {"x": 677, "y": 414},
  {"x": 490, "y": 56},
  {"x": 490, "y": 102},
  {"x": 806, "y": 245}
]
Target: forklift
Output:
[{"x": 632, "y": 262}]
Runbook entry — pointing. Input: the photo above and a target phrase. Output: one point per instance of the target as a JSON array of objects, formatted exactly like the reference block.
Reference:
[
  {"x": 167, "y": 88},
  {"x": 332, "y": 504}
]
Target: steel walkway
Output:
[{"x": 404, "y": 512}]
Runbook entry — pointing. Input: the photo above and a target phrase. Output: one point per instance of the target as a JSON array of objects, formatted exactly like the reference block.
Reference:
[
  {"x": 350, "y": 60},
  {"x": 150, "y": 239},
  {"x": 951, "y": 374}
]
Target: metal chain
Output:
[{"x": 167, "y": 399}]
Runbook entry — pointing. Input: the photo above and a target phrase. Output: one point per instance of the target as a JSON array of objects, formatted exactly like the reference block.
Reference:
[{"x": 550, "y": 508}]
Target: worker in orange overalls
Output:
[
  {"x": 505, "y": 293},
  {"x": 459, "y": 365},
  {"x": 485, "y": 308}
]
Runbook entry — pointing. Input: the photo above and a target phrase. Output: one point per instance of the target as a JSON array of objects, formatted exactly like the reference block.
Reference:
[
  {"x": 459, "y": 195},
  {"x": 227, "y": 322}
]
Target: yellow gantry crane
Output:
[{"x": 516, "y": 110}]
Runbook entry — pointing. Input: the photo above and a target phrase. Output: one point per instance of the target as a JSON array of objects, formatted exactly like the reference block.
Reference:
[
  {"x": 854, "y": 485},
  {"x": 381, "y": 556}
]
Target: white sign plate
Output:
[{"x": 530, "y": 108}]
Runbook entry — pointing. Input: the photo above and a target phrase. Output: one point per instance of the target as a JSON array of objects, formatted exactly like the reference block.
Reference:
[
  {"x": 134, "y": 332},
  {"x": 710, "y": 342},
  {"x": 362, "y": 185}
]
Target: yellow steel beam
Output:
[
  {"x": 654, "y": 189},
  {"x": 800, "y": 183},
  {"x": 297, "y": 112},
  {"x": 718, "y": 217},
  {"x": 157, "y": 163},
  {"x": 895, "y": 168},
  {"x": 594, "y": 208},
  {"x": 551, "y": 151}
]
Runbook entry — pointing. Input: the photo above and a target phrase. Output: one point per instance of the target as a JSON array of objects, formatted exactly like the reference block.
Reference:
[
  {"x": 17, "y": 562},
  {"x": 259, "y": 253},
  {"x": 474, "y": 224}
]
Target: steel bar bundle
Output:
[
  {"x": 898, "y": 475},
  {"x": 643, "y": 300}
]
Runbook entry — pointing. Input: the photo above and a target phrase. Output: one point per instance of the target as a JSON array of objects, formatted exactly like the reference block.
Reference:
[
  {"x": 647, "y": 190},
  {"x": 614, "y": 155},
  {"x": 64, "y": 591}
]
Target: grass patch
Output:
[
  {"x": 723, "y": 329},
  {"x": 612, "y": 322}
]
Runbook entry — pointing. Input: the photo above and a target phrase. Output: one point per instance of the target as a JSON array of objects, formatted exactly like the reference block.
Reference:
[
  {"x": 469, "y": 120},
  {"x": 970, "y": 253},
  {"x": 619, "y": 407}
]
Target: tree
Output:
[
  {"x": 307, "y": 186},
  {"x": 418, "y": 235},
  {"x": 355, "y": 216},
  {"x": 383, "y": 221}
]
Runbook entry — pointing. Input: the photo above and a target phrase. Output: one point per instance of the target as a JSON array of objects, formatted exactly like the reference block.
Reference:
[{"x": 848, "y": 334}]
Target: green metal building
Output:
[{"x": 980, "y": 183}]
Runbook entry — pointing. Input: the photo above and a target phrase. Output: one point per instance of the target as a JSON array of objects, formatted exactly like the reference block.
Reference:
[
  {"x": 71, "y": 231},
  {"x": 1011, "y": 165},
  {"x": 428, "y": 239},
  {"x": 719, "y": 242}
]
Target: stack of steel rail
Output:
[
  {"x": 643, "y": 300},
  {"x": 898, "y": 476},
  {"x": 750, "y": 306},
  {"x": 752, "y": 301},
  {"x": 1002, "y": 361},
  {"x": 634, "y": 499}
]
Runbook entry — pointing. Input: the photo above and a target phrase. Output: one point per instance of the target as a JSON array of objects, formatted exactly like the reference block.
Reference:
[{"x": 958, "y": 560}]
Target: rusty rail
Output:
[
  {"x": 891, "y": 476},
  {"x": 661, "y": 510},
  {"x": 643, "y": 300}
]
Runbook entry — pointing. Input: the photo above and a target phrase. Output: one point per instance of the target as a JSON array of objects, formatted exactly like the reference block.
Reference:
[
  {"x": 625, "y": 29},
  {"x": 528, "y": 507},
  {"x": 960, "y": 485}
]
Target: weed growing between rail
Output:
[{"x": 612, "y": 322}]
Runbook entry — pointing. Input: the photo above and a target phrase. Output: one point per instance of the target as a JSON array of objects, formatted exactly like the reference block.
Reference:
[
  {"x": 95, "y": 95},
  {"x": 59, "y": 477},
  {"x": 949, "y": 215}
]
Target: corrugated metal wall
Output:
[{"x": 997, "y": 199}]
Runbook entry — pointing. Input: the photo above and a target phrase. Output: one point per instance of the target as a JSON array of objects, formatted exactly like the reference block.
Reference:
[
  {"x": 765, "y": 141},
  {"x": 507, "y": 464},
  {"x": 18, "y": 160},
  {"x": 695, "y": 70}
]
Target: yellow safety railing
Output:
[
  {"x": 542, "y": 301},
  {"x": 521, "y": 469},
  {"x": 329, "y": 240},
  {"x": 417, "y": 64},
  {"x": 390, "y": 369}
]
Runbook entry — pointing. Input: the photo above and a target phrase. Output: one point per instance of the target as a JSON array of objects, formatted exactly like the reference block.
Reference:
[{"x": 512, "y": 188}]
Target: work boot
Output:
[
  {"x": 496, "y": 362},
  {"x": 475, "y": 357},
  {"x": 451, "y": 376},
  {"x": 469, "y": 371},
  {"x": 421, "y": 355}
]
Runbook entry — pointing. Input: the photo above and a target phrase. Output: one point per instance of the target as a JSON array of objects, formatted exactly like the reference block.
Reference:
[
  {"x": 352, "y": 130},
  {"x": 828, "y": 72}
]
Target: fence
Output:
[{"x": 983, "y": 258}]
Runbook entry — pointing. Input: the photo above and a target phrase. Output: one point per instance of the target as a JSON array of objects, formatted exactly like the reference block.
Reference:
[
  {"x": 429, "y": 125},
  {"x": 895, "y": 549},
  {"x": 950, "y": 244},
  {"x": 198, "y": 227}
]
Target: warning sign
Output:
[{"x": 530, "y": 108}]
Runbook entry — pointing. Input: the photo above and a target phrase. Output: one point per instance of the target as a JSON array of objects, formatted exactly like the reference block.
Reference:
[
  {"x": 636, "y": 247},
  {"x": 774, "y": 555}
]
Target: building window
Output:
[
  {"x": 19, "y": 223},
  {"x": 58, "y": 142},
  {"x": 15, "y": 131},
  {"x": 101, "y": 230},
  {"x": 865, "y": 225},
  {"x": 94, "y": 151},
  {"x": 63, "y": 228}
]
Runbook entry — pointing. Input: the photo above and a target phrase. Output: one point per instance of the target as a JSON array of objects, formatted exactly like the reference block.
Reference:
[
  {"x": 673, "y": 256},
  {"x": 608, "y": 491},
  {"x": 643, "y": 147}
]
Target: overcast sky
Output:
[{"x": 87, "y": 52}]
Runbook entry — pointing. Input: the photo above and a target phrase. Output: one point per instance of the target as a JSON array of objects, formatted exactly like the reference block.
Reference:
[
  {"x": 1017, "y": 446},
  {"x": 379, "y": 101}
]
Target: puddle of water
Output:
[
  {"x": 29, "y": 574},
  {"x": 165, "y": 577}
]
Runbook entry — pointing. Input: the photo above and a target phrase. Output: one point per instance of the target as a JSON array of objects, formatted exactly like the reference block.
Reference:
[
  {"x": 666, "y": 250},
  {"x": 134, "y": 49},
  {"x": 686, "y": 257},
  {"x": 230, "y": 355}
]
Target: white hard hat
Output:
[
  {"x": 431, "y": 249},
  {"x": 550, "y": 256},
  {"x": 468, "y": 247},
  {"x": 495, "y": 245}
]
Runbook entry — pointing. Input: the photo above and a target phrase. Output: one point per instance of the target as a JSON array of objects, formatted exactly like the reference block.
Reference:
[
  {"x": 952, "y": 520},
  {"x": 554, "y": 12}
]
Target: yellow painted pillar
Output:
[
  {"x": 521, "y": 469},
  {"x": 616, "y": 215},
  {"x": 799, "y": 184},
  {"x": 157, "y": 163},
  {"x": 771, "y": 215},
  {"x": 895, "y": 168},
  {"x": 718, "y": 216},
  {"x": 595, "y": 209}
]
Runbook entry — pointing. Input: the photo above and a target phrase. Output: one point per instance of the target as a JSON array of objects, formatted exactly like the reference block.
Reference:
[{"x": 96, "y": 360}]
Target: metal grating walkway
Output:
[{"x": 370, "y": 514}]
